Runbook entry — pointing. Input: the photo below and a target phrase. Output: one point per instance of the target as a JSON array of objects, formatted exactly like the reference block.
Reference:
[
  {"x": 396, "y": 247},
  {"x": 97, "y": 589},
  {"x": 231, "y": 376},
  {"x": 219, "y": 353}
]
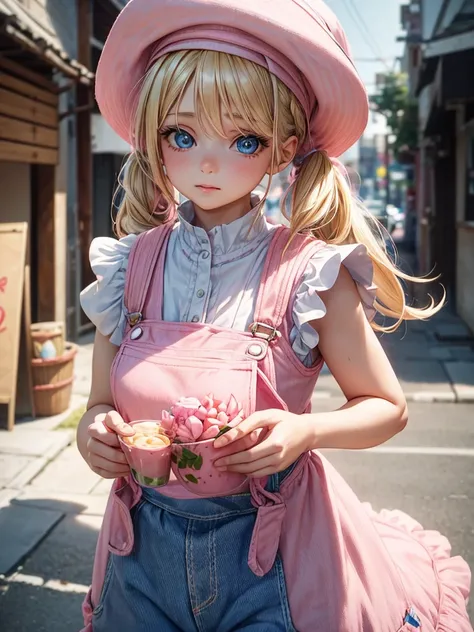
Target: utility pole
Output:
[
  {"x": 387, "y": 167},
  {"x": 84, "y": 102}
]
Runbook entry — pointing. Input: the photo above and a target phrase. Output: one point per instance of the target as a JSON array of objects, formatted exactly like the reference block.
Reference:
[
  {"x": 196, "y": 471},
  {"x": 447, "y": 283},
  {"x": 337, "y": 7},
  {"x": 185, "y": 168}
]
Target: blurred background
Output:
[
  {"x": 413, "y": 166},
  {"x": 59, "y": 164}
]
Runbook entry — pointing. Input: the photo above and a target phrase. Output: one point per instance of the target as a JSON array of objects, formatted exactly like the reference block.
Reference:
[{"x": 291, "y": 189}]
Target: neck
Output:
[{"x": 208, "y": 219}]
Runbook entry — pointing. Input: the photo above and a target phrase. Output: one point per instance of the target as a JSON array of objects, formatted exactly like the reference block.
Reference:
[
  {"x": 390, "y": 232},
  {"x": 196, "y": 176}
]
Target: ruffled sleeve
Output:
[
  {"x": 102, "y": 301},
  {"x": 321, "y": 274}
]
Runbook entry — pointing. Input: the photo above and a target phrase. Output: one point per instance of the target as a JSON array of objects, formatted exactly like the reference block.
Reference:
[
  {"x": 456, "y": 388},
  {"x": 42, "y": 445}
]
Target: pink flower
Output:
[
  {"x": 201, "y": 413},
  {"x": 195, "y": 427},
  {"x": 184, "y": 435},
  {"x": 185, "y": 407},
  {"x": 169, "y": 424},
  {"x": 222, "y": 419},
  {"x": 192, "y": 420},
  {"x": 233, "y": 407},
  {"x": 210, "y": 433}
]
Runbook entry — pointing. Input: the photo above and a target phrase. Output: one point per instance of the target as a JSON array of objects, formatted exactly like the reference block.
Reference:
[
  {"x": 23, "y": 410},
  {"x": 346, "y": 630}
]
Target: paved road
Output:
[{"x": 427, "y": 471}]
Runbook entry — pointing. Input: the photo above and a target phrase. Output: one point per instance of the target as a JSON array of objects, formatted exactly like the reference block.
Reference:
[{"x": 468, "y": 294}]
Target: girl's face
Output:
[{"x": 213, "y": 172}]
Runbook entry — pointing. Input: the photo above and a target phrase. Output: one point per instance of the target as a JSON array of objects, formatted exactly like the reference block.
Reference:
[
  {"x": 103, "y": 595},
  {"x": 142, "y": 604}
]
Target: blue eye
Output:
[
  {"x": 184, "y": 140},
  {"x": 248, "y": 145}
]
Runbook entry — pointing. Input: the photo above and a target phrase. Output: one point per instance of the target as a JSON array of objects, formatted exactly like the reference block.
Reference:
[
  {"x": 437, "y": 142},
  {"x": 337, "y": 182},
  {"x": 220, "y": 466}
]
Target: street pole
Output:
[{"x": 387, "y": 165}]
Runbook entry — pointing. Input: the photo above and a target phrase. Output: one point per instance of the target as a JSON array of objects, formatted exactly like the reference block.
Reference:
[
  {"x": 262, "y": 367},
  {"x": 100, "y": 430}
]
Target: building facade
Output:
[
  {"x": 39, "y": 77},
  {"x": 439, "y": 59},
  {"x": 57, "y": 165}
]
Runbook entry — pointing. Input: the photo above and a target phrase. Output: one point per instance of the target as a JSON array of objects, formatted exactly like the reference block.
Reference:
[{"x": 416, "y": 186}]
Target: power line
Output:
[
  {"x": 364, "y": 31},
  {"x": 373, "y": 59},
  {"x": 365, "y": 27}
]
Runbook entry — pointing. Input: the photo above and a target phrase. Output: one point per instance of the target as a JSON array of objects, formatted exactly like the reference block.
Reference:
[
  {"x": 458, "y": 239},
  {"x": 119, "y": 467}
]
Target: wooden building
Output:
[
  {"x": 39, "y": 76},
  {"x": 48, "y": 53}
]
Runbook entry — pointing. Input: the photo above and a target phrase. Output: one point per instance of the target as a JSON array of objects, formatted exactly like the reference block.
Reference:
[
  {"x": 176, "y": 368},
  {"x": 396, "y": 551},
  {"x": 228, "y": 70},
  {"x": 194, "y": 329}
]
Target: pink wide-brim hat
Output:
[{"x": 302, "y": 38}]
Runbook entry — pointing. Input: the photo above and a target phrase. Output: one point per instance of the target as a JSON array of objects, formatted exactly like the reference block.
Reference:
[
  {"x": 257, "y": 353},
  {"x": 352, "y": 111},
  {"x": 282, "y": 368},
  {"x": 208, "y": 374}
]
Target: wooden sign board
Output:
[
  {"x": 25, "y": 405},
  {"x": 13, "y": 242}
]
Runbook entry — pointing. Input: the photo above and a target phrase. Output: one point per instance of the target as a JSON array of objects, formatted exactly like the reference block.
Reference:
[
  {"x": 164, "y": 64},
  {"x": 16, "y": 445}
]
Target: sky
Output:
[
  {"x": 378, "y": 39},
  {"x": 382, "y": 21}
]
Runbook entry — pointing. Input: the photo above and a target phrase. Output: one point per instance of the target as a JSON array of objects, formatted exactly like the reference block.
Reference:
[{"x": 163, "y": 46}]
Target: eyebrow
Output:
[{"x": 193, "y": 115}]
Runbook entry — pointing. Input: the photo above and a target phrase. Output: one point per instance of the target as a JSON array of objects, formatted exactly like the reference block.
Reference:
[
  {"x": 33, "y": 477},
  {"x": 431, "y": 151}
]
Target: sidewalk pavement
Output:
[
  {"x": 433, "y": 360},
  {"x": 44, "y": 480}
]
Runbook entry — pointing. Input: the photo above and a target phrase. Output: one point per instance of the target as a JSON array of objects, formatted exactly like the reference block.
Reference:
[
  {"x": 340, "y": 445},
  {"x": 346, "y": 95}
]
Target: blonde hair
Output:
[{"x": 321, "y": 200}]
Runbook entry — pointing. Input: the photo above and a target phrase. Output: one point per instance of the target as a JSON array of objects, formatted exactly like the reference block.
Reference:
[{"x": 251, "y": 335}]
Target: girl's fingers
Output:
[
  {"x": 106, "y": 429},
  {"x": 114, "y": 469},
  {"x": 254, "y": 422},
  {"x": 241, "y": 445},
  {"x": 107, "y": 474},
  {"x": 253, "y": 469},
  {"x": 114, "y": 422},
  {"x": 251, "y": 455},
  {"x": 105, "y": 451},
  {"x": 97, "y": 431}
]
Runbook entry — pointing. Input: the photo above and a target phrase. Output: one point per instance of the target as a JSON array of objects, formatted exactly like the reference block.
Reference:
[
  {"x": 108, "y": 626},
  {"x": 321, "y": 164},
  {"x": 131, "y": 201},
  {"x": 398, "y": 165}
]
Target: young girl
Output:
[{"x": 209, "y": 297}]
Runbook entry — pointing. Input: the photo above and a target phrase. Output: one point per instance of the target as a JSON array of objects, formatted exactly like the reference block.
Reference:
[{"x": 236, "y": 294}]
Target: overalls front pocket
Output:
[
  {"x": 160, "y": 362},
  {"x": 148, "y": 379}
]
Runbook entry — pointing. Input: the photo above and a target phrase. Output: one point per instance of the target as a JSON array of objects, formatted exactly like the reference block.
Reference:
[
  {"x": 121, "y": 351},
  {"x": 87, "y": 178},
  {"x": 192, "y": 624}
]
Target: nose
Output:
[{"x": 209, "y": 165}]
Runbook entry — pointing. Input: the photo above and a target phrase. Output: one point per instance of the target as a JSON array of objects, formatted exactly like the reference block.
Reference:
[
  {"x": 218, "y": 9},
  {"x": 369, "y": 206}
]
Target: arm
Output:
[
  {"x": 376, "y": 407},
  {"x": 375, "y": 410},
  {"x": 97, "y": 431}
]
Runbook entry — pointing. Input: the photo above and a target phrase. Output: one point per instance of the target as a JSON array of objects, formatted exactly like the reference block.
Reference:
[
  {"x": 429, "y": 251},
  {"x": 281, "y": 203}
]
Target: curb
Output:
[
  {"x": 421, "y": 397},
  {"x": 429, "y": 397}
]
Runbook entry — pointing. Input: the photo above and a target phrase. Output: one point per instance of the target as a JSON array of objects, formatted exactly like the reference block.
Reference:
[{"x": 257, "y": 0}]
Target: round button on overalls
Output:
[{"x": 136, "y": 333}]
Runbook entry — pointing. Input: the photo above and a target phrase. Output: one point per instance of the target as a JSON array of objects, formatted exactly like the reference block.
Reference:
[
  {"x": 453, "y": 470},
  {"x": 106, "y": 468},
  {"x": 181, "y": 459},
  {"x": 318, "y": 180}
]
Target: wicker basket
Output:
[
  {"x": 54, "y": 370},
  {"x": 43, "y": 332},
  {"x": 52, "y": 399},
  {"x": 52, "y": 381}
]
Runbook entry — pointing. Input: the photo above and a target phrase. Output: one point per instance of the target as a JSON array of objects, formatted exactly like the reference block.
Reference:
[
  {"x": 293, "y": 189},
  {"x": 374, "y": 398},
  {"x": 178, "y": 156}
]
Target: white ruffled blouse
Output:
[{"x": 213, "y": 277}]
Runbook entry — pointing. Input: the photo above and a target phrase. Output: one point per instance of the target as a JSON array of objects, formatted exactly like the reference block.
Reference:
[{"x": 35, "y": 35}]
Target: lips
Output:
[{"x": 207, "y": 187}]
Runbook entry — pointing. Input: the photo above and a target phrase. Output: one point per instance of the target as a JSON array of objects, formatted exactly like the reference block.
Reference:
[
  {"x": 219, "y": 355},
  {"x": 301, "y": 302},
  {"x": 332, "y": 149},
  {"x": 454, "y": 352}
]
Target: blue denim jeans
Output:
[{"x": 188, "y": 571}]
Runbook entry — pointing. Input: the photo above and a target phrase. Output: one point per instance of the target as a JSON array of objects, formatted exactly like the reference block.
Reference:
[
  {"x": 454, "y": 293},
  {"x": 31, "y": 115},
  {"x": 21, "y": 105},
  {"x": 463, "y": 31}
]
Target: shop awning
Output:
[{"x": 39, "y": 37}]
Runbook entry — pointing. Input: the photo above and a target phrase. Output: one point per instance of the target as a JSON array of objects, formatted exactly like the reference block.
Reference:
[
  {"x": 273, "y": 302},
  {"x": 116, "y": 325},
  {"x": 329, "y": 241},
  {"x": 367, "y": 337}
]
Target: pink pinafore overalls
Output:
[{"x": 296, "y": 551}]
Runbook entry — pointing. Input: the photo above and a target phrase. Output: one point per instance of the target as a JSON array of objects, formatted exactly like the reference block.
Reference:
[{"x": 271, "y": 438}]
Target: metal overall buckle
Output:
[
  {"x": 134, "y": 318},
  {"x": 269, "y": 333}
]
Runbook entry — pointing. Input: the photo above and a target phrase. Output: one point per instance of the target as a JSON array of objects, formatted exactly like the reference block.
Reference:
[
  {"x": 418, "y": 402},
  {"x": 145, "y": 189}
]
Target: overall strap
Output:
[
  {"x": 280, "y": 273},
  {"x": 148, "y": 250}
]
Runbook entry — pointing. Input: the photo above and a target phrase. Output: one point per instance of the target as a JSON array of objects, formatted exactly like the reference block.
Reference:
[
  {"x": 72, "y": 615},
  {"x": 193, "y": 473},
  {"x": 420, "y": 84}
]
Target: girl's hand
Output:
[
  {"x": 286, "y": 438},
  {"x": 104, "y": 454}
]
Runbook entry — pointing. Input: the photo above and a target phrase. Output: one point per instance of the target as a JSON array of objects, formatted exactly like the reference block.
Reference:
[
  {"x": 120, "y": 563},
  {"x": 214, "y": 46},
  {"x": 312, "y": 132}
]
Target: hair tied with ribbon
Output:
[{"x": 298, "y": 162}]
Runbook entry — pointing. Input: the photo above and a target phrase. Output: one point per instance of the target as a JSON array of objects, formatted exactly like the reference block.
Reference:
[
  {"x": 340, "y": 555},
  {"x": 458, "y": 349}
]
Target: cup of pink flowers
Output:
[{"x": 193, "y": 425}]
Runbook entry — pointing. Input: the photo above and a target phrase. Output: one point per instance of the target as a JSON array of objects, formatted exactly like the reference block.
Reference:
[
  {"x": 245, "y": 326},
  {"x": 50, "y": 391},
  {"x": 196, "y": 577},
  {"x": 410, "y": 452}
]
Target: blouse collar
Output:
[{"x": 227, "y": 240}]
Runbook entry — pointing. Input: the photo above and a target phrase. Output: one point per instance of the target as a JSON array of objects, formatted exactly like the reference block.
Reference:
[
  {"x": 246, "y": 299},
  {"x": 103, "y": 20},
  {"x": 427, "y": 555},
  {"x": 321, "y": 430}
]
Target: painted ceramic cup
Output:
[
  {"x": 148, "y": 453},
  {"x": 193, "y": 466}
]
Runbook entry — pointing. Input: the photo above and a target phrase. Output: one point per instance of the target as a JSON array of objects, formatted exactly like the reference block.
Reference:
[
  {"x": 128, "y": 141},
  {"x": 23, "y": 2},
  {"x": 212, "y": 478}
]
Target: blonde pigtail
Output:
[
  {"x": 322, "y": 204},
  {"x": 148, "y": 196},
  {"x": 136, "y": 211}
]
